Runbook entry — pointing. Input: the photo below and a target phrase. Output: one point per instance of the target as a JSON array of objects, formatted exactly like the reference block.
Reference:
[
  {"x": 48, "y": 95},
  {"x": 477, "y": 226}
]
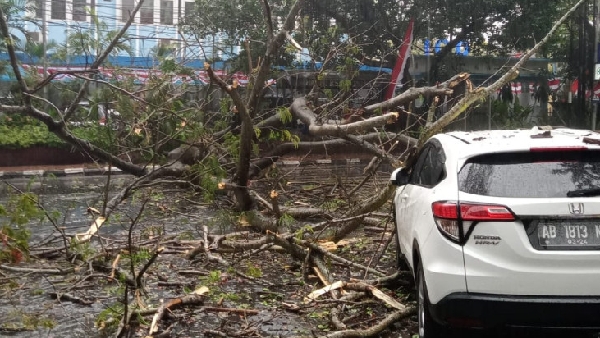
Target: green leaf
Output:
[{"x": 285, "y": 115}]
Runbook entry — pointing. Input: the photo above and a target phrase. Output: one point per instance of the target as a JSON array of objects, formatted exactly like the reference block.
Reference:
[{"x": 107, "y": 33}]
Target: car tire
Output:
[{"x": 428, "y": 328}]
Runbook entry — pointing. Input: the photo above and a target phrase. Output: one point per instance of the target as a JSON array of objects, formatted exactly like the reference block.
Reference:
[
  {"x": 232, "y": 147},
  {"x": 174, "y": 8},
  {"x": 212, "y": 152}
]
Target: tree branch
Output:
[
  {"x": 243, "y": 200},
  {"x": 374, "y": 330},
  {"x": 445, "y": 88},
  {"x": 269, "y": 19},
  {"x": 265, "y": 67},
  {"x": 273, "y": 156},
  {"x": 482, "y": 93},
  {"x": 51, "y": 77}
]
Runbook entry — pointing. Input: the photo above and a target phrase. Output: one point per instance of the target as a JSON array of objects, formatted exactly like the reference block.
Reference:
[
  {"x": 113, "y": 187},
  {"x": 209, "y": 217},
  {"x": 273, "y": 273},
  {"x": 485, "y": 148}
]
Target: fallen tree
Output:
[{"x": 276, "y": 226}]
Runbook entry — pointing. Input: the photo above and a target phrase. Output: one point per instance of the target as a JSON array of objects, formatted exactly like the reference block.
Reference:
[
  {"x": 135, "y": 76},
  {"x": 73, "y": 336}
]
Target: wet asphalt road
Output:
[{"x": 72, "y": 196}]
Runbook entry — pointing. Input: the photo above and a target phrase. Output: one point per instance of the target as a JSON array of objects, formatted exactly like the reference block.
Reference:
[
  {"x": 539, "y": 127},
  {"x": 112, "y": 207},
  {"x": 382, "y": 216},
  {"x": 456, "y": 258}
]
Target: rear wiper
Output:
[{"x": 584, "y": 192}]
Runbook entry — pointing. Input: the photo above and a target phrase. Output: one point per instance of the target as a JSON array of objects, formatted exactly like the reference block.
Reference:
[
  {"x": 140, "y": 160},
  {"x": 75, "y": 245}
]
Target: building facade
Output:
[{"x": 155, "y": 25}]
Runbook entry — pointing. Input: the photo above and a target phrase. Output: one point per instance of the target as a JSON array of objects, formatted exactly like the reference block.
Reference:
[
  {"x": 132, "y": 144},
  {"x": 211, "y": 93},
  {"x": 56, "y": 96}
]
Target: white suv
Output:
[{"x": 502, "y": 228}]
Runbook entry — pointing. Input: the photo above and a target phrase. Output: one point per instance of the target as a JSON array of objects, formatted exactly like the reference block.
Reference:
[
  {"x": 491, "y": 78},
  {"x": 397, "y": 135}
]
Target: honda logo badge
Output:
[{"x": 576, "y": 208}]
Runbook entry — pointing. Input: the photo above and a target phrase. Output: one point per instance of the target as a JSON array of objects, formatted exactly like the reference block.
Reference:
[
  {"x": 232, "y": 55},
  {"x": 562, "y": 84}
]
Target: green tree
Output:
[
  {"x": 36, "y": 49},
  {"x": 222, "y": 25},
  {"x": 490, "y": 27},
  {"x": 12, "y": 9},
  {"x": 92, "y": 42}
]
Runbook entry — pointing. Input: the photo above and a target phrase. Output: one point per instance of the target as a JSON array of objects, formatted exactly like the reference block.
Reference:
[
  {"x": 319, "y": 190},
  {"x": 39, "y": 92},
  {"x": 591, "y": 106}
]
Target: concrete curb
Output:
[
  {"x": 337, "y": 162},
  {"x": 80, "y": 171}
]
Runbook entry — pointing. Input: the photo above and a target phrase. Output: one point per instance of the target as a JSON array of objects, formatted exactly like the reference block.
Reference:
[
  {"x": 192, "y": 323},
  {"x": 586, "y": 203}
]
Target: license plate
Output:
[{"x": 569, "y": 233}]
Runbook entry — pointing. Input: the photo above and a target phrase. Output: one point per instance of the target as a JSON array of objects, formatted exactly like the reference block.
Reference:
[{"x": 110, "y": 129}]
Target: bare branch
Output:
[
  {"x": 269, "y": 19},
  {"x": 246, "y": 136},
  {"x": 300, "y": 109},
  {"x": 265, "y": 67},
  {"x": 116, "y": 88},
  {"x": 13, "y": 109},
  {"x": 273, "y": 156},
  {"x": 75, "y": 103},
  {"x": 374, "y": 330},
  {"x": 336, "y": 258},
  {"x": 10, "y": 46},
  {"x": 411, "y": 94},
  {"x": 52, "y": 76}
]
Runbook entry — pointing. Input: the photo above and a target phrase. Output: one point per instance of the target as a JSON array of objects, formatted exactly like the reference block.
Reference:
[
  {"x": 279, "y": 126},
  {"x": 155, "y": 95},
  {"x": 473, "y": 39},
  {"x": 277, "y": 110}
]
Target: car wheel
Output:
[{"x": 428, "y": 328}]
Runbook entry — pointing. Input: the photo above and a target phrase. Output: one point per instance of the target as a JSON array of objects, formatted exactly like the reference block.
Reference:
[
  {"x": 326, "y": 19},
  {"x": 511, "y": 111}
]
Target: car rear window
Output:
[{"x": 530, "y": 174}]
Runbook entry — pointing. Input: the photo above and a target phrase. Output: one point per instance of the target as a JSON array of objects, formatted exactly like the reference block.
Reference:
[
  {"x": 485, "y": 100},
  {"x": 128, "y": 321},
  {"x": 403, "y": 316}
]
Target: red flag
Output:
[
  {"x": 575, "y": 89},
  {"x": 597, "y": 90},
  {"x": 575, "y": 86},
  {"x": 554, "y": 84},
  {"x": 403, "y": 55}
]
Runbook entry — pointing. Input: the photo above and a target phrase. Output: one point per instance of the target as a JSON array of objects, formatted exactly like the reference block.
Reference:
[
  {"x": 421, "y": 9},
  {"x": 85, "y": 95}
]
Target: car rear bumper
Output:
[{"x": 492, "y": 311}]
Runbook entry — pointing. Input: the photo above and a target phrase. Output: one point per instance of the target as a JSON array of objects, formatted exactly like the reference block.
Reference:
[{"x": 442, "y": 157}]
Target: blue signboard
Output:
[{"x": 462, "y": 48}]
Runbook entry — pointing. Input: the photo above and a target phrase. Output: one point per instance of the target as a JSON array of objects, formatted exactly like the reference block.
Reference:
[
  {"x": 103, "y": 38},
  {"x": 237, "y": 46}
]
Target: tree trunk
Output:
[{"x": 242, "y": 196}]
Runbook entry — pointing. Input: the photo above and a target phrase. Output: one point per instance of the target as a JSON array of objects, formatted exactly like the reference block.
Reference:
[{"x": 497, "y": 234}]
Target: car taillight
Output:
[
  {"x": 448, "y": 221},
  {"x": 485, "y": 212},
  {"x": 472, "y": 212}
]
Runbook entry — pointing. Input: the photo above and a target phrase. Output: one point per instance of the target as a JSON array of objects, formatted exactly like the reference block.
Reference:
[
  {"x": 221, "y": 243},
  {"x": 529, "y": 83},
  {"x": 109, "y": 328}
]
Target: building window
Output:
[
  {"x": 168, "y": 46},
  {"x": 147, "y": 12},
  {"x": 79, "y": 12},
  {"x": 127, "y": 9},
  {"x": 36, "y": 6},
  {"x": 166, "y": 12},
  {"x": 189, "y": 8},
  {"x": 59, "y": 9},
  {"x": 32, "y": 36}
]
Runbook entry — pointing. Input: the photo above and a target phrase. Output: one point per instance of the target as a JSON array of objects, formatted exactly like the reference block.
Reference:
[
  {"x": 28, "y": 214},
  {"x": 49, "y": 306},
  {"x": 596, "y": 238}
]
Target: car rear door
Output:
[
  {"x": 552, "y": 246},
  {"x": 415, "y": 199},
  {"x": 406, "y": 199}
]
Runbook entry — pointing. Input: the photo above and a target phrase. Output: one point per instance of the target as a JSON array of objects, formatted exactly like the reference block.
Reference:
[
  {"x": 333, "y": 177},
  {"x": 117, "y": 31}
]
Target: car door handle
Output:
[{"x": 403, "y": 197}]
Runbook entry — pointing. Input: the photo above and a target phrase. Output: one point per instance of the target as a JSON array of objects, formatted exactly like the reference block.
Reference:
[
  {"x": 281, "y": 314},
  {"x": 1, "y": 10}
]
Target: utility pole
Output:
[
  {"x": 596, "y": 104},
  {"x": 490, "y": 97},
  {"x": 581, "y": 101},
  {"x": 44, "y": 44}
]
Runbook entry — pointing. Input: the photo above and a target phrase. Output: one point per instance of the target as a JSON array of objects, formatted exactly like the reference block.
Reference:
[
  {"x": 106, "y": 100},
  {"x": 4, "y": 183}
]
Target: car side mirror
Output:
[{"x": 399, "y": 177}]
